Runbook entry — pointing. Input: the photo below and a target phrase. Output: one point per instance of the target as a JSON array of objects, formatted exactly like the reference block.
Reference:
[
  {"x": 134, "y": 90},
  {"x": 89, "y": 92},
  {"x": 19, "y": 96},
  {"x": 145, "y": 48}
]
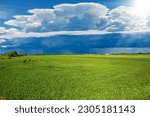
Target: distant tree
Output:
[
  {"x": 11, "y": 54},
  {"x": 14, "y": 54},
  {"x": 22, "y": 54}
]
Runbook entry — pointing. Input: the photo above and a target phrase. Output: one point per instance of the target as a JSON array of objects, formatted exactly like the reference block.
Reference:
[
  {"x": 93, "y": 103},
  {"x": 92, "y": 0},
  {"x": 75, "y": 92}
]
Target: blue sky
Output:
[{"x": 73, "y": 26}]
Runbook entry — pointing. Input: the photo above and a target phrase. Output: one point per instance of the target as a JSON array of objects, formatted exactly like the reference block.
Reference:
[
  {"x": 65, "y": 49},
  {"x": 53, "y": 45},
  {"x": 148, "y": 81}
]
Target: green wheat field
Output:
[{"x": 75, "y": 77}]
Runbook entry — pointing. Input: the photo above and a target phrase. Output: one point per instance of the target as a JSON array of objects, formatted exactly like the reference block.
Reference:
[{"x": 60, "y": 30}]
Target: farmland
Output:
[{"x": 75, "y": 77}]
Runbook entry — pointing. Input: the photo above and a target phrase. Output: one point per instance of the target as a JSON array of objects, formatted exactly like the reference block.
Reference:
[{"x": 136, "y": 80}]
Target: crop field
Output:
[{"x": 75, "y": 77}]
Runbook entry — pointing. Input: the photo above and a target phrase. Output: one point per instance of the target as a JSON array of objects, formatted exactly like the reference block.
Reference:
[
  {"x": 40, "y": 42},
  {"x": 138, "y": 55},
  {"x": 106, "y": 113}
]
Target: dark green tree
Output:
[{"x": 11, "y": 54}]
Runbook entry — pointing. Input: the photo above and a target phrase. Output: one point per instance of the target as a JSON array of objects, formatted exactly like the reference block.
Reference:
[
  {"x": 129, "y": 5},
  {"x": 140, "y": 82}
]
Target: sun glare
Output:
[{"x": 141, "y": 7}]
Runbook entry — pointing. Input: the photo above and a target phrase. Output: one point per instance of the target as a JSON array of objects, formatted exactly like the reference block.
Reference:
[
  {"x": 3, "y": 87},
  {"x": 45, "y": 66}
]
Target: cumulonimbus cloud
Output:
[
  {"x": 75, "y": 17},
  {"x": 68, "y": 17}
]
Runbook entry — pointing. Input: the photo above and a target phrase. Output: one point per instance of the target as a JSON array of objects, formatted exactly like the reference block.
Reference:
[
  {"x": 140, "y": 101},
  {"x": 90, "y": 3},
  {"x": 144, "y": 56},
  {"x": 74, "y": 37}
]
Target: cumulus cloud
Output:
[
  {"x": 10, "y": 31},
  {"x": 123, "y": 19},
  {"x": 81, "y": 16},
  {"x": 75, "y": 19},
  {"x": 5, "y": 32}
]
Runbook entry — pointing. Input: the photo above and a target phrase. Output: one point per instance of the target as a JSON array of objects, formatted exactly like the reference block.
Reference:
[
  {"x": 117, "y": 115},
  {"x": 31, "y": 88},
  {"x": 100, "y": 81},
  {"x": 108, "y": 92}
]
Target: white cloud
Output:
[
  {"x": 81, "y": 16},
  {"x": 4, "y": 46},
  {"x": 75, "y": 19},
  {"x": 10, "y": 31},
  {"x": 123, "y": 19},
  {"x": 2, "y": 40},
  {"x": 48, "y": 34},
  {"x": 4, "y": 32}
]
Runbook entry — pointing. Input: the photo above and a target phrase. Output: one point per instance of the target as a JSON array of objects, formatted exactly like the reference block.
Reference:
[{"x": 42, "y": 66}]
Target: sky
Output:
[
  {"x": 9, "y": 8},
  {"x": 74, "y": 26}
]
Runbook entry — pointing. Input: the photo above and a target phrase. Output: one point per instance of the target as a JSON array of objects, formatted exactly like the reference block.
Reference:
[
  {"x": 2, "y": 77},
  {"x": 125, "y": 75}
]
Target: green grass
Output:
[{"x": 72, "y": 77}]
